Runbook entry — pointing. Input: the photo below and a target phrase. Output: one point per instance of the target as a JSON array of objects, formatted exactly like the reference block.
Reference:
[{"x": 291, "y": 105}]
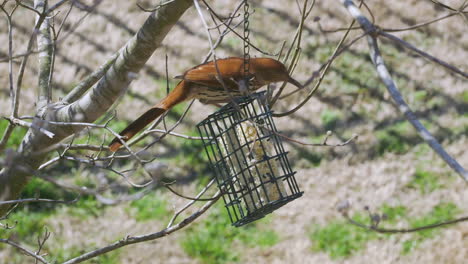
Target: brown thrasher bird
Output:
[{"x": 202, "y": 82}]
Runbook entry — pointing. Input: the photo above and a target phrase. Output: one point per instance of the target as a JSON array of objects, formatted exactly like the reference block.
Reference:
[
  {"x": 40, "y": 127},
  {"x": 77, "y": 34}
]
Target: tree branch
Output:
[
  {"x": 23, "y": 249},
  {"x": 87, "y": 83},
  {"x": 91, "y": 105},
  {"x": 423, "y": 54},
  {"x": 138, "y": 239},
  {"x": 386, "y": 78},
  {"x": 44, "y": 44}
]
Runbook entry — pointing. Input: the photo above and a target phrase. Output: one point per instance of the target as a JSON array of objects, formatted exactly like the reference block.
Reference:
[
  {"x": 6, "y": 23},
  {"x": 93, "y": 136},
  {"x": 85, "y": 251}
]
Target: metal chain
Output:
[{"x": 246, "y": 42}]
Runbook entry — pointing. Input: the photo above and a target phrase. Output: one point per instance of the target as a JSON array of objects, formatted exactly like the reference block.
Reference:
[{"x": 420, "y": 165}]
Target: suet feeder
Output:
[{"x": 248, "y": 158}]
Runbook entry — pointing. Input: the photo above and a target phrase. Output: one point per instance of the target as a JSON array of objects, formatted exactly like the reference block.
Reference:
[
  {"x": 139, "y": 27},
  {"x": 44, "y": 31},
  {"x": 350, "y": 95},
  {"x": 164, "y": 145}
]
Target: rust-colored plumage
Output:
[{"x": 202, "y": 82}]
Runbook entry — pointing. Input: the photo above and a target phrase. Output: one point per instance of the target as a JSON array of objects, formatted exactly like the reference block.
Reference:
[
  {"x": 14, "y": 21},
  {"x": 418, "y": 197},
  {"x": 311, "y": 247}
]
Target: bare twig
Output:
[
  {"x": 168, "y": 132},
  {"x": 195, "y": 199},
  {"x": 56, "y": 6},
  {"x": 38, "y": 200},
  {"x": 30, "y": 8},
  {"x": 10, "y": 127},
  {"x": 298, "y": 37},
  {"x": 423, "y": 54},
  {"x": 374, "y": 227},
  {"x": 19, "y": 122},
  {"x": 190, "y": 203},
  {"x": 322, "y": 76},
  {"x": 24, "y": 61},
  {"x": 41, "y": 242},
  {"x": 386, "y": 78},
  {"x": 423, "y": 24},
  {"x": 24, "y": 250},
  {"x": 128, "y": 240},
  {"x": 82, "y": 147},
  {"x": 232, "y": 29},
  {"x": 150, "y": 10},
  {"x": 225, "y": 31},
  {"x": 324, "y": 142}
]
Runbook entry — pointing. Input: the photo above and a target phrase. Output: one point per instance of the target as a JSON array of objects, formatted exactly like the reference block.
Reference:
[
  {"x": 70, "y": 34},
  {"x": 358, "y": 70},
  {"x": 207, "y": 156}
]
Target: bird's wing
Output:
[{"x": 207, "y": 75}]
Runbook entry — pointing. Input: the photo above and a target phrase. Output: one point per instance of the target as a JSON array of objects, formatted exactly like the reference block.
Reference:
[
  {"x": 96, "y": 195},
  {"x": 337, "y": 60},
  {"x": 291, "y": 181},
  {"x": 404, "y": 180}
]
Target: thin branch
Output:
[
  {"x": 442, "y": 5},
  {"x": 44, "y": 43},
  {"x": 6, "y": 136},
  {"x": 404, "y": 230},
  {"x": 24, "y": 250},
  {"x": 386, "y": 78},
  {"x": 138, "y": 239},
  {"x": 298, "y": 38},
  {"x": 10, "y": 127},
  {"x": 418, "y": 25},
  {"x": 37, "y": 200},
  {"x": 19, "y": 122},
  {"x": 324, "y": 142},
  {"x": 169, "y": 132},
  {"x": 322, "y": 76},
  {"x": 81, "y": 147},
  {"x": 423, "y": 54},
  {"x": 91, "y": 162},
  {"x": 195, "y": 199},
  {"x": 57, "y": 5},
  {"x": 218, "y": 76},
  {"x": 150, "y": 10},
  {"x": 30, "y": 8},
  {"x": 190, "y": 203},
  {"x": 82, "y": 190},
  {"x": 24, "y": 61},
  {"x": 225, "y": 31},
  {"x": 41, "y": 241},
  {"x": 232, "y": 29},
  {"x": 87, "y": 83}
]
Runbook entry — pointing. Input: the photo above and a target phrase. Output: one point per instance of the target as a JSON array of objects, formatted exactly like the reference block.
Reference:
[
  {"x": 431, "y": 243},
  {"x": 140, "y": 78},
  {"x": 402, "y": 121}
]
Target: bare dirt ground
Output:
[{"x": 357, "y": 172}]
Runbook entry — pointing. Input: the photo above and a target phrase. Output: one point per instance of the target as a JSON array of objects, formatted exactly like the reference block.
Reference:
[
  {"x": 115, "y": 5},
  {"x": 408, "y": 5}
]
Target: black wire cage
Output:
[{"x": 248, "y": 158}]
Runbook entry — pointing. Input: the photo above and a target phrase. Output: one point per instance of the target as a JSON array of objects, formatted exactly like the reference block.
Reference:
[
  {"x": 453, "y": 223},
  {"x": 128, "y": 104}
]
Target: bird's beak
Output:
[{"x": 295, "y": 83}]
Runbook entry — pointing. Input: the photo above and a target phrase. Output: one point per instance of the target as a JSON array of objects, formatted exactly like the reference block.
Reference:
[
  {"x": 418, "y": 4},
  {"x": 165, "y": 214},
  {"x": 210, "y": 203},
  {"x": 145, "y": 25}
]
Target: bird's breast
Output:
[{"x": 223, "y": 93}]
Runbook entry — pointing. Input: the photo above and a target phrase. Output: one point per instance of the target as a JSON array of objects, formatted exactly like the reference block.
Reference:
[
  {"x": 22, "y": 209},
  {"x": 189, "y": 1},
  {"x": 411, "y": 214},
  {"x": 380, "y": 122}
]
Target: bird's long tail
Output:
[{"x": 178, "y": 95}]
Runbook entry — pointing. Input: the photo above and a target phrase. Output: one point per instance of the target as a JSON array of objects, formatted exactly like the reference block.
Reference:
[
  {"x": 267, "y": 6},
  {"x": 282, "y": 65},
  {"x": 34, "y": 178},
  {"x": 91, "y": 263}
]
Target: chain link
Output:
[{"x": 246, "y": 42}]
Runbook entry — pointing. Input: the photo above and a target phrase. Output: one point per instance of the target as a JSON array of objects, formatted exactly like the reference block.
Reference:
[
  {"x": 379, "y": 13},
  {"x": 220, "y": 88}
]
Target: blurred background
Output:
[{"x": 387, "y": 169}]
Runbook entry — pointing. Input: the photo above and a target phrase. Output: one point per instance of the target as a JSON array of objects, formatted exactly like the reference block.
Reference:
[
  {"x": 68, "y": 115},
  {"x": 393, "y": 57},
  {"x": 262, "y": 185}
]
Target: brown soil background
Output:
[{"x": 353, "y": 172}]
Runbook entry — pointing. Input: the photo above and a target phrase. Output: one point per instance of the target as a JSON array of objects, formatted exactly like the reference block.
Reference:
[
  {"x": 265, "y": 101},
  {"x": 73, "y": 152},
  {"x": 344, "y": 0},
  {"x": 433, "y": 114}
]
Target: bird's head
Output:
[{"x": 270, "y": 71}]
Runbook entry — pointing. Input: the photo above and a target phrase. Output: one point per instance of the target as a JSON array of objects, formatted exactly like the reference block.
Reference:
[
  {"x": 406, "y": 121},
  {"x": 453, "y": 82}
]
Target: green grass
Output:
[
  {"x": 464, "y": 97},
  {"x": 152, "y": 206},
  {"x": 394, "y": 138},
  {"x": 32, "y": 217},
  {"x": 424, "y": 181},
  {"x": 29, "y": 224},
  {"x": 188, "y": 154},
  {"x": 215, "y": 240},
  {"x": 330, "y": 119},
  {"x": 340, "y": 239},
  {"x": 16, "y": 136},
  {"x": 441, "y": 212},
  {"x": 393, "y": 213},
  {"x": 193, "y": 154},
  {"x": 315, "y": 158},
  {"x": 87, "y": 206},
  {"x": 38, "y": 188}
]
